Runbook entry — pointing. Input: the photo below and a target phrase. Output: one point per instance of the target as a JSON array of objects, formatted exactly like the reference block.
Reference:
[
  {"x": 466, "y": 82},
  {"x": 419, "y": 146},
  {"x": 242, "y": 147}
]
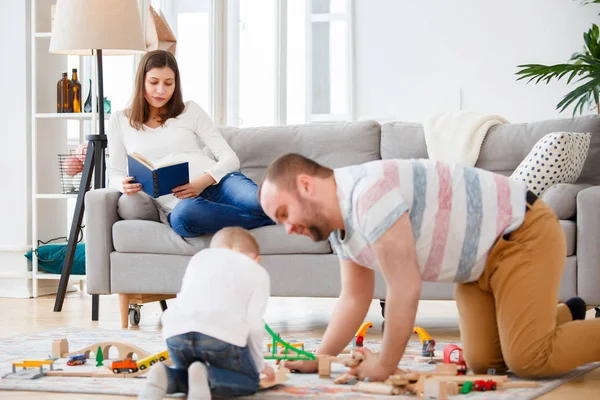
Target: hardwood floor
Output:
[{"x": 289, "y": 316}]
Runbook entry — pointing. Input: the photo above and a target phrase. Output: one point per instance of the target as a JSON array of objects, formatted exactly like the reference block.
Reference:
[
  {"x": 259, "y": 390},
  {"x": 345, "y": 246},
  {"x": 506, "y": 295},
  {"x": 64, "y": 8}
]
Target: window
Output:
[
  {"x": 289, "y": 61},
  {"x": 190, "y": 21}
]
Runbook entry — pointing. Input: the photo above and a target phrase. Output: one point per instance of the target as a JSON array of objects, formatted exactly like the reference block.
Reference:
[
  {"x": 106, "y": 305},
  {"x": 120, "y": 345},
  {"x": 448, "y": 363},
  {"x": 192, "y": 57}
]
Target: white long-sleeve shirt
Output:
[
  {"x": 224, "y": 294},
  {"x": 191, "y": 137}
]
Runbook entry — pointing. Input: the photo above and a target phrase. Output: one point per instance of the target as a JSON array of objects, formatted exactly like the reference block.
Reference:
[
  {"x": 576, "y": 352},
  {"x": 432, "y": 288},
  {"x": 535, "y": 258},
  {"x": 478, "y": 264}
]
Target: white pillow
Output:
[{"x": 556, "y": 158}]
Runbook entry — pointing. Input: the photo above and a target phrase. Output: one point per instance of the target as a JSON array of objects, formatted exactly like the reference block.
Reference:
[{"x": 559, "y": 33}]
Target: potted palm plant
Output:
[{"x": 583, "y": 68}]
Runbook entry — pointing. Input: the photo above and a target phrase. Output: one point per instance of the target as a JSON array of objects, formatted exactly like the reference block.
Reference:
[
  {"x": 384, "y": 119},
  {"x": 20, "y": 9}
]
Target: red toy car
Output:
[{"x": 482, "y": 385}]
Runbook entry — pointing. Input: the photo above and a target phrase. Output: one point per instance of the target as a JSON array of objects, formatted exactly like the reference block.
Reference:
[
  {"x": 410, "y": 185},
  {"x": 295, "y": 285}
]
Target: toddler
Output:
[{"x": 214, "y": 328}]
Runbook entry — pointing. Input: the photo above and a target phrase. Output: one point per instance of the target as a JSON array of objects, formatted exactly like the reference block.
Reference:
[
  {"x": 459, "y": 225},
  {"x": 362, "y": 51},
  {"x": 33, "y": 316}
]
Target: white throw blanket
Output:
[{"x": 457, "y": 137}]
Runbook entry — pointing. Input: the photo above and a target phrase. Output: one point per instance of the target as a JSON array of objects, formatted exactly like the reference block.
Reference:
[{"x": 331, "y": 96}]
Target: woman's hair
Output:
[{"x": 140, "y": 110}]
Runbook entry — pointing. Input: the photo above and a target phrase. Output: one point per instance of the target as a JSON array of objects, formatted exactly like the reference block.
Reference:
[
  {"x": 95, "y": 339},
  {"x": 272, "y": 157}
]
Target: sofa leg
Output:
[
  {"x": 597, "y": 311},
  {"x": 95, "y": 306},
  {"x": 124, "y": 307}
]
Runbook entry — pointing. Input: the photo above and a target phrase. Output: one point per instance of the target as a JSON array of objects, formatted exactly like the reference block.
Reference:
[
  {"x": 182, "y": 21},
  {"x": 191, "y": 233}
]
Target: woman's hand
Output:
[
  {"x": 131, "y": 188},
  {"x": 194, "y": 188}
]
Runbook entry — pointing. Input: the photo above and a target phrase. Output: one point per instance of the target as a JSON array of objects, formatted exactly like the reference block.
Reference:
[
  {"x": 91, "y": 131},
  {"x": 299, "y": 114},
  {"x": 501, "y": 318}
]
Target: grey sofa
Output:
[{"x": 144, "y": 260}]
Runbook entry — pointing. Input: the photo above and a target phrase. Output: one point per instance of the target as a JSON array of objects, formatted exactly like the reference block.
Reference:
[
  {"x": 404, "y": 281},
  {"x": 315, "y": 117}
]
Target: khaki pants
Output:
[{"x": 510, "y": 318}]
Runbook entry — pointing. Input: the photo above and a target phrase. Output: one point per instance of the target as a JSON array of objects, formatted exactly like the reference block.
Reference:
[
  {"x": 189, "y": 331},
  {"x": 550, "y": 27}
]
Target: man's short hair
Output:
[
  {"x": 284, "y": 170},
  {"x": 236, "y": 239}
]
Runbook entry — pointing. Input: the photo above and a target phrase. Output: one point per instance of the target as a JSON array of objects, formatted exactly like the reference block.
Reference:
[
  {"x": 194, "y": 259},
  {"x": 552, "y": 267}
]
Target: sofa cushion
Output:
[
  {"x": 504, "y": 147},
  {"x": 331, "y": 144},
  {"x": 558, "y": 157},
  {"x": 137, "y": 236},
  {"x": 570, "y": 230},
  {"x": 562, "y": 199}
]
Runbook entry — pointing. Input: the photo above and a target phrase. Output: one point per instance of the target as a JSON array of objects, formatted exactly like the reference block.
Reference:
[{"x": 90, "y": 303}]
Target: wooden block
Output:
[
  {"x": 419, "y": 386},
  {"x": 280, "y": 376},
  {"x": 324, "y": 364},
  {"x": 452, "y": 388},
  {"x": 397, "y": 380},
  {"x": 434, "y": 389},
  {"x": 517, "y": 384},
  {"x": 60, "y": 347},
  {"x": 467, "y": 378},
  {"x": 446, "y": 369},
  {"x": 344, "y": 379},
  {"x": 375, "y": 388}
]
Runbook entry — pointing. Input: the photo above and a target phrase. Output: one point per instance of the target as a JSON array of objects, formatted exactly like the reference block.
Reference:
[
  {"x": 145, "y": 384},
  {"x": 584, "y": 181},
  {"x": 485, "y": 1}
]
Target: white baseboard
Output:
[
  {"x": 22, "y": 288},
  {"x": 15, "y": 276}
]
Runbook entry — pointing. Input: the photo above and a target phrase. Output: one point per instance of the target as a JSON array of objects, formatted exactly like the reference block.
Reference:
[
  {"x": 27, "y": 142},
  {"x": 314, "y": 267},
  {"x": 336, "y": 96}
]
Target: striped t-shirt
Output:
[{"x": 456, "y": 213}]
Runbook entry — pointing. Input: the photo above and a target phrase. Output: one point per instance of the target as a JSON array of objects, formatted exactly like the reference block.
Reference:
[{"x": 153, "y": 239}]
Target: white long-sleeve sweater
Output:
[
  {"x": 223, "y": 294},
  {"x": 190, "y": 137}
]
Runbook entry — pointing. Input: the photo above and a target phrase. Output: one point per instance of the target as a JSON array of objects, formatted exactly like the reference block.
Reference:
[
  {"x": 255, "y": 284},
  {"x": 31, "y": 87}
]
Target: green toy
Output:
[
  {"x": 298, "y": 354},
  {"x": 466, "y": 388},
  {"x": 99, "y": 357}
]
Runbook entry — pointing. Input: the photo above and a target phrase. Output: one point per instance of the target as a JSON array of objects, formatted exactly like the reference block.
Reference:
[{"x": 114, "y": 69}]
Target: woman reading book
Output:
[{"x": 163, "y": 128}]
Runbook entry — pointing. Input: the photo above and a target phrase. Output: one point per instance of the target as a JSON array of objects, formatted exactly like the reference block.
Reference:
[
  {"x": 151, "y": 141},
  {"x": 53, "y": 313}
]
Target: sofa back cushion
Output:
[
  {"x": 331, "y": 144},
  {"x": 504, "y": 147}
]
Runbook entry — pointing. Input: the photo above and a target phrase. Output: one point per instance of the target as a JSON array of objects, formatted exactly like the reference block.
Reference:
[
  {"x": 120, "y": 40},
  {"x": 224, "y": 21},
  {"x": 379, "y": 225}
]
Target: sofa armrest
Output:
[
  {"x": 101, "y": 214},
  {"x": 562, "y": 198},
  {"x": 588, "y": 245}
]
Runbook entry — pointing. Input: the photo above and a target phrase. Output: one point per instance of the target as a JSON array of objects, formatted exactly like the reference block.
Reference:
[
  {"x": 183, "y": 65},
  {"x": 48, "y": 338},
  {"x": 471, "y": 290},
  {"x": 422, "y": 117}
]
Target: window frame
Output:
[{"x": 226, "y": 75}]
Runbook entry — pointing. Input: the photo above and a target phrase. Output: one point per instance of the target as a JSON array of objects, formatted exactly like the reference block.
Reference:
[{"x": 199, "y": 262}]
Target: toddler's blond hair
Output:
[{"x": 236, "y": 239}]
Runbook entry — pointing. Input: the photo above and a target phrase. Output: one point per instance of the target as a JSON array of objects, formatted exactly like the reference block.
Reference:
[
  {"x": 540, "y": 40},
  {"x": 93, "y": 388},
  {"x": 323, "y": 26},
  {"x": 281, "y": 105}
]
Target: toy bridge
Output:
[{"x": 298, "y": 354}]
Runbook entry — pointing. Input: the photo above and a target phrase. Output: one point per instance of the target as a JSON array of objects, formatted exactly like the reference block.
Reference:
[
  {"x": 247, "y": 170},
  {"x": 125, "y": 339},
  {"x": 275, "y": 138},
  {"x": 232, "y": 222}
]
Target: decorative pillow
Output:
[
  {"x": 51, "y": 258},
  {"x": 137, "y": 206},
  {"x": 556, "y": 158}
]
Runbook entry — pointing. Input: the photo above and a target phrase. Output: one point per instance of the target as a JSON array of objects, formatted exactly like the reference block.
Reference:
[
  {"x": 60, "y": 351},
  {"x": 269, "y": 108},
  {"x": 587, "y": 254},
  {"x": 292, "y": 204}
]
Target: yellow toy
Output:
[
  {"x": 153, "y": 359},
  {"x": 359, "y": 337},
  {"x": 427, "y": 342}
]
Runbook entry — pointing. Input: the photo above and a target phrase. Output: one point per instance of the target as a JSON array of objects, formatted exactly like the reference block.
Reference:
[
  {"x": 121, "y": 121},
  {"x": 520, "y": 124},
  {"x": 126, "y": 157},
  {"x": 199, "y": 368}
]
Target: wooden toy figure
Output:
[{"x": 99, "y": 357}]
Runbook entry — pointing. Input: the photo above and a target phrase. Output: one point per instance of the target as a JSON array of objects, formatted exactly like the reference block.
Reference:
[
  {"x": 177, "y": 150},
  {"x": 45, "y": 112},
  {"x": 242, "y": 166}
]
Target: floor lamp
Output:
[{"x": 93, "y": 27}]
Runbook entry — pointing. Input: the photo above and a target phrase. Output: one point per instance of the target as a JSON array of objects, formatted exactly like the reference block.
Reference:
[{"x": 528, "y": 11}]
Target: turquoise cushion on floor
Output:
[{"x": 51, "y": 258}]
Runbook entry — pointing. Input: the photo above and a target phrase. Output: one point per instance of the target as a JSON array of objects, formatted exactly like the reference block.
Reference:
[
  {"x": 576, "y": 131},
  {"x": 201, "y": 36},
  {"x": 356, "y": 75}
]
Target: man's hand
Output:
[
  {"x": 371, "y": 367},
  {"x": 304, "y": 367},
  {"x": 269, "y": 372}
]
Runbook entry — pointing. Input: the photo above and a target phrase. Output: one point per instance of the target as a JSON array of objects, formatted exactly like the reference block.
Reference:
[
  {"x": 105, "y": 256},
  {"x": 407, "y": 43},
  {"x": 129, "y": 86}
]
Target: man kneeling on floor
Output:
[{"x": 421, "y": 220}]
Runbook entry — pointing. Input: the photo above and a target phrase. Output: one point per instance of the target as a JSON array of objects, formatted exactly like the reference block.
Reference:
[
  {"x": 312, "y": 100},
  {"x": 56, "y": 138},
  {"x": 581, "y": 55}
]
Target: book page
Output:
[{"x": 147, "y": 163}]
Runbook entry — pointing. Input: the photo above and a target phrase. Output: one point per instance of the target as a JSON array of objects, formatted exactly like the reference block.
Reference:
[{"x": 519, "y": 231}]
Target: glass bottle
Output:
[
  {"x": 63, "y": 95},
  {"x": 76, "y": 92},
  {"x": 87, "y": 107}
]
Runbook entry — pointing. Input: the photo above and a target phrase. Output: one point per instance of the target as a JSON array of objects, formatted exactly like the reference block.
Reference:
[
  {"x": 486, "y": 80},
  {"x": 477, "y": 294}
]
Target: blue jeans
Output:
[
  {"x": 232, "y": 202},
  {"x": 231, "y": 369}
]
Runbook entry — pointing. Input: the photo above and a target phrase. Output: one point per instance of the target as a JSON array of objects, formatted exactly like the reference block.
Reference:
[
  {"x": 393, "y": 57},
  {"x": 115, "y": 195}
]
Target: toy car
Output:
[
  {"x": 153, "y": 359},
  {"x": 482, "y": 385},
  {"x": 78, "y": 359},
  {"x": 126, "y": 365}
]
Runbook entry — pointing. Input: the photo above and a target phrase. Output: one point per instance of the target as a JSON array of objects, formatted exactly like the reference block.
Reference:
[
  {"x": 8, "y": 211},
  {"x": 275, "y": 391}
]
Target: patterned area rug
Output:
[{"x": 39, "y": 346}]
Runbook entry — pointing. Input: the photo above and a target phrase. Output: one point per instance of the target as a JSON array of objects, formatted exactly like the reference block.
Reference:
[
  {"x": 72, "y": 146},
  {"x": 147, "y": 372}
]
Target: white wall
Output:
[
  {"x": 414, "y": 57},
  {"x": 14, "y": 150}
]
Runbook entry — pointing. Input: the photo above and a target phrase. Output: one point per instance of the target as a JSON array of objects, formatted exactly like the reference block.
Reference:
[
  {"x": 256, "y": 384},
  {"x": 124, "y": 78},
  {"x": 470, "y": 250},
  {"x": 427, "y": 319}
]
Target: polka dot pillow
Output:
[{"x": 556, "y": 158}]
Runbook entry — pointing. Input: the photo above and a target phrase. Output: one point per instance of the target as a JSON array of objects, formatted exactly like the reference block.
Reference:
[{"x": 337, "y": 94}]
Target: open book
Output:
[{"x": 157, "y": 180}]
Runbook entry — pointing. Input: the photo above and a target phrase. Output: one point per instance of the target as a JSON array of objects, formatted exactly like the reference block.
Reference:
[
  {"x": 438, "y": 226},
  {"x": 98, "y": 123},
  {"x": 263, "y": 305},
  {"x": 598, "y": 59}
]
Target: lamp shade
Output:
[{"x": 82, "y": 26}]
